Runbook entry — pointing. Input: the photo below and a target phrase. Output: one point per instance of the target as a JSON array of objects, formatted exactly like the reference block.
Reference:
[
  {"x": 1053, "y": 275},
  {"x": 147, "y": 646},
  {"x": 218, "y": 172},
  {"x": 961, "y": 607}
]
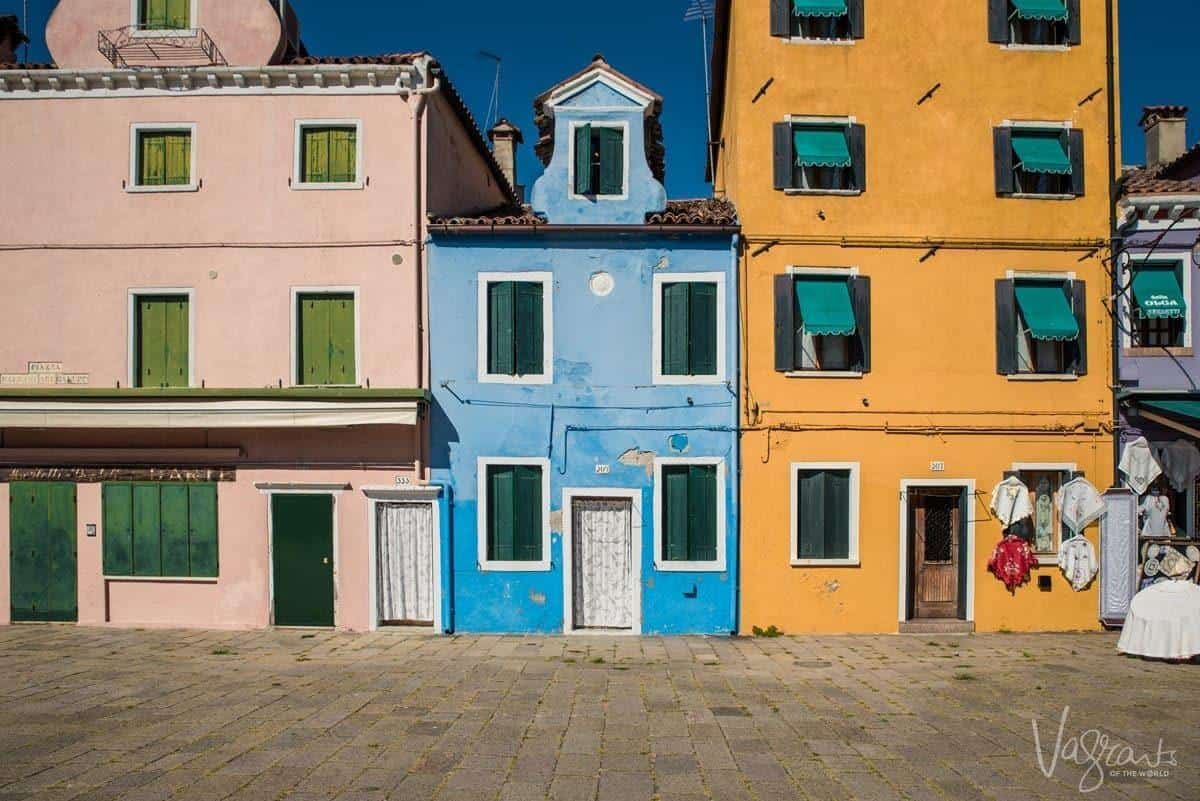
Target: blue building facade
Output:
[{"x": 584, "y": 358}]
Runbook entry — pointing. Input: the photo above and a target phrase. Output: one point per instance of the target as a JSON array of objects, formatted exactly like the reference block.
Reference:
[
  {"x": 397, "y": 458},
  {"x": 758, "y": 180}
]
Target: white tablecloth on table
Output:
[{"x": 1163, "y": 622}]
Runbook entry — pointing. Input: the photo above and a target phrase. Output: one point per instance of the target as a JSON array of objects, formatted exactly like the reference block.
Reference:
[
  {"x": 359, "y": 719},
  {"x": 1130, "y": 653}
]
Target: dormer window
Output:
[
  {"x": 599, "y": 160},
  {"x": 164, "y": 15}
]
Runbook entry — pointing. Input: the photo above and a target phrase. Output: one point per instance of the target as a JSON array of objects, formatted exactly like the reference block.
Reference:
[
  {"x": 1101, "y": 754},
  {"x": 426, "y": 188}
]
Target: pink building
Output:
[{"x": 213, "y": 368}]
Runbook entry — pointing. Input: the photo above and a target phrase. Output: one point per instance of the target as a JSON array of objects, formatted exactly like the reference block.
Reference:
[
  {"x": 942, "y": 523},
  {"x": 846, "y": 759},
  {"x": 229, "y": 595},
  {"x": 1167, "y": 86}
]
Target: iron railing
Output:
[{"x": 154, "y": 47}]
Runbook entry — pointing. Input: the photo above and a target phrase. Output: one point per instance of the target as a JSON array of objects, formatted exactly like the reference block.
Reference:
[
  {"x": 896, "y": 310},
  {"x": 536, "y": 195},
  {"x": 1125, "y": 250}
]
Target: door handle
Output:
[{"x": 324, "y": 560}]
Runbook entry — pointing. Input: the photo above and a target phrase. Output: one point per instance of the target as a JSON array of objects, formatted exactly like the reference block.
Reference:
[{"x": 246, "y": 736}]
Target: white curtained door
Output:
[
  {"x": 602, "y": 554},
  {"x": 405, "y": 562}
]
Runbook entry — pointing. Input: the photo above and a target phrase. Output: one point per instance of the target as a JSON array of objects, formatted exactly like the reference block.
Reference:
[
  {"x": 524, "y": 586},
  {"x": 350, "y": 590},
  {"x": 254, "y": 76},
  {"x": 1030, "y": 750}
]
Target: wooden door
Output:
[
  {"x": 602, "y": 563},
  {"x": 936, "y": 524},
  {"x": 302, "y": 559},
  {"x": 404, "y": 562},
  {"x": 42, "y": 552}
]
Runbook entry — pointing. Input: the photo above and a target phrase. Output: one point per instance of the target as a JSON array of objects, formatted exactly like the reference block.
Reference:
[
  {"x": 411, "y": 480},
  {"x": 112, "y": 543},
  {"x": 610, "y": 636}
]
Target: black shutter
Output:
[
  {"x": 781, "y": 18},
  {"x": 785, "y": 323},
  {"x": 857, "y": 20},
  {"x": 1074, "y": 26},
  {"x": 1006, "y": 328},
  {"x": 1079, "y": 305},
  {"x": 858, "y": 155},
  {"x": 784, "y": 156},
  {"x": 860, "y": 294},
  {"x": 1004, "y": 160},
  {"x": 998, "y": 21},
  {"x": 1075, "y": 149}
]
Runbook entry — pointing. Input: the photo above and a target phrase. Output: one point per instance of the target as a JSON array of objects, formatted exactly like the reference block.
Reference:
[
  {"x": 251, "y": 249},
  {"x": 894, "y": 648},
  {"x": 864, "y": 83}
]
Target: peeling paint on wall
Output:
[
  {"x": 636, "y": 458},
  {"x": 577, "y": 374},
  {"x": 536, "y": 597},
  {"x": 678, "y": 443},
  {"x": 556, "y": 520},
  {"x": 832, "y": 586}
]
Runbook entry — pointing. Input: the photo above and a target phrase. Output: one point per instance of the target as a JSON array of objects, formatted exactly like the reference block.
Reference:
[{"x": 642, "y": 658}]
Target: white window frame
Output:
[
  {"x": 719, "y": 564},
  {"x": 134, "y": 293},
  {"x": 808, "y": 119},
  {"x": 817, "y": 40},
  {"x": 1048, "y": 467},
  {"x": 135, "y": 21},
  {"x": 656, "y": 324},
  {"x": 296, "y": 292},
  {"x": 298, "y": 150},
  {"x": 619, "y": 125},
  {"x": 1010, "y": 45},
  {"x": 546, "y": 279},
  {"x": 1044, "y": 125},
  {"x": 855, "y": 470},
  {"x": 404, "y": 494},
  {"x": 1065, "y": 278},
  {"x": 803, "y": 272},
  {"x": 481, "y": 504},
  {"x": 570, "y": 495},
  {"x": 135, "y": 131},
  {"x": 1128, "y": 261}
]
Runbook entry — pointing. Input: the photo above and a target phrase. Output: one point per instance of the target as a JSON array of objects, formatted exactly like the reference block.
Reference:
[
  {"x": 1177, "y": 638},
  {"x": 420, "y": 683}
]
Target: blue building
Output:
[{"x": 584, "y": 358}]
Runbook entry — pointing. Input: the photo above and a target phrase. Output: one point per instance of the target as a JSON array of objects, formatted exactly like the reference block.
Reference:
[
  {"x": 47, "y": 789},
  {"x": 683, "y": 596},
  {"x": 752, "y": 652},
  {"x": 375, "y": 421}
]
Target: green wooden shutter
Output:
[
  {"x": 343, "y": 155},
  {"x": 314, "y": 340},
  {"x": 341, "y": 339},
  {"x": 583, "y": 160},
  {"x": 151, "y": 342},
  {"x": 675, "y": 513},
  {"x": 810, "y": 513},
  {"x": 177, "y": 159},
  {"x": 117, "y": 513},
  {"x": 29, "y": 558},
  {"x": 675, "y": 328},
  {"x": 502, "y": 503},
  {"x": 702, "y": 513},
  {"x": 702, "y": 329},
  {"x": 315, "y": 157},
  {"x": 527, "y": 539},
  {"x": 152, "y": 159},
  {"x": 154, "y": 14},
  {"x": 501, "y": 328},
  {"x": 202, "y": 530},
  {"x": 178, "y": 14},
  {"x": 147, "y": 528},
  {"x": 175, "y": 341},
  {"x": 173, "y": 505},
  {"x": 61, "y": 535},
  {"x": 529, "y": 332},
  {"x": 837, "y": 514},
  {"x": 612, "y": 161}
]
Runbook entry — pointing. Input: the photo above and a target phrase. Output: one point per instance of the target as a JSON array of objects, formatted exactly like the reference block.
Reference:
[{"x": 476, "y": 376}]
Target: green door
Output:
[
  {"x": 302, "y": 559},
  {"x": 42, "y": 557}
]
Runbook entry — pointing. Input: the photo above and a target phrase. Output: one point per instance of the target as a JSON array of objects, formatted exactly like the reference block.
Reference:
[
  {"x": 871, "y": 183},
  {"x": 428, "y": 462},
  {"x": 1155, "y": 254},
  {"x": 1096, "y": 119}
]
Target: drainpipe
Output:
[
  {"x": 1114, "y": 248},
  {"x": 419, "y": 98}
]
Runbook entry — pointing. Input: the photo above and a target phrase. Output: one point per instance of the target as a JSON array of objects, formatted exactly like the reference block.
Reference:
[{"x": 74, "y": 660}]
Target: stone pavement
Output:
[{"x": 144, "y": 715}]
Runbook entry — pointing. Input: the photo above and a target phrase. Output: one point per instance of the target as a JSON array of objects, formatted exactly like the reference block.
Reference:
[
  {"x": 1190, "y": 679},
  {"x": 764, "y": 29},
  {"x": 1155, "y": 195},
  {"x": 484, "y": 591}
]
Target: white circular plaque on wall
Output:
[{"x": 601, "y": 284}]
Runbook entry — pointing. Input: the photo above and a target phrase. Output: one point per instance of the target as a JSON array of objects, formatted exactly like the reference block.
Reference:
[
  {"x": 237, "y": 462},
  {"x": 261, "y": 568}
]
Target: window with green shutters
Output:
[
  {"x": 164, "y": 158},
  {"x": 599, "y": 164},
  {"x": 690, "y": 339},
  {"x": 514, "y": 513},
  {"x": 689, "y": 524},
  {"x": 824, "y": 509},
  {"x": 164, "y": 15},
  {"x": 329, "y": 154},
  {"x": 325, "y": 323},
  {"x": 161, "y": 341},
  {"x": 160, "y": 530},
  {"x": 515, "y": 328}
]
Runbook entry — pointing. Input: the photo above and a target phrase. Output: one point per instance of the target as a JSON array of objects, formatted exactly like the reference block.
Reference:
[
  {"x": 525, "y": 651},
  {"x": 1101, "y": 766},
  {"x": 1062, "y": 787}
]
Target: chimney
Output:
[
  {"x": 1166, "y": 133},
  {"x": 11, "y": 37},
  {"x": 505, "y": 137}
]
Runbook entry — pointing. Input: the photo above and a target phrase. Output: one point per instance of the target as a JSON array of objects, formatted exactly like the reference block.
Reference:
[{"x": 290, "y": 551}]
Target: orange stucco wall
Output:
[{"x": 933, "y": 394}]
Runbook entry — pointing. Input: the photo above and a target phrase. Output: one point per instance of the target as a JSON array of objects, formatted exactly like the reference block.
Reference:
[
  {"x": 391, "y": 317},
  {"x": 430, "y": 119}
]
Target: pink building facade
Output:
[{"x": 214, "y": 372}]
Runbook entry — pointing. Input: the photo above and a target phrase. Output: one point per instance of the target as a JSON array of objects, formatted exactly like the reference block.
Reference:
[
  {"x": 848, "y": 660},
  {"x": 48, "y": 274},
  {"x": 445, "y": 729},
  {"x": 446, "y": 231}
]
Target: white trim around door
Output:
[
  {"x": 570, "y": 495},
  {"x": 414, "y": 494},
  {"x": 270, "y": 490}
]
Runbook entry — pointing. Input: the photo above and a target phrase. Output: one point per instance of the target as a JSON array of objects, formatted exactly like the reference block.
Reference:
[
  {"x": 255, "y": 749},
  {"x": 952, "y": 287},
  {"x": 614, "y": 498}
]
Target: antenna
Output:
[
  {"x": 25, "y": 27},
  {"x": 493, "y": 111},
  {"x": 703, "y": 10}
]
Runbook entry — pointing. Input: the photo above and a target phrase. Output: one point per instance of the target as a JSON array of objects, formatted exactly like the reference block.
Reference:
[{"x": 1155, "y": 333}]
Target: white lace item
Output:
[{"x": 1011, "y": 502}]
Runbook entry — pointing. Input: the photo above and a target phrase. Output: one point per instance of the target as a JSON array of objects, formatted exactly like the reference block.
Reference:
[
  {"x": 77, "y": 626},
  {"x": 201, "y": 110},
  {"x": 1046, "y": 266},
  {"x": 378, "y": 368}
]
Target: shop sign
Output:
[
  {"x": 44, "y": 374},
  {"x": 95, "y": 475}
]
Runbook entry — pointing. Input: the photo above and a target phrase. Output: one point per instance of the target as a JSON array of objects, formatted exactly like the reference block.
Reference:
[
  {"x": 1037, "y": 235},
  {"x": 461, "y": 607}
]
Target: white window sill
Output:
[
  {"x": 1051, "y": 48},
  {"x": 159, "y": 32},
  {"x": 330, "y": 187},
  {"x": 1032, "y": 196},
  {"x": 135, "y": 189},
  {"x": 593, "y": 198},
  {"x": 685, "y": 380},
  {"x": 689, "y": 567},
  {"x": 842, "y": 192},
  {"x": 163, "y": 579},
  {"x": 532, "y": 380},
  {"x": 326, "y": 386},
  {"x": 1043, "y": 377},
  {"x": 515, "y": 567},
  {"x": 804, "y": 40},
  {"x": 826, "y": 563},
  {"x": 824, "y": 374}
]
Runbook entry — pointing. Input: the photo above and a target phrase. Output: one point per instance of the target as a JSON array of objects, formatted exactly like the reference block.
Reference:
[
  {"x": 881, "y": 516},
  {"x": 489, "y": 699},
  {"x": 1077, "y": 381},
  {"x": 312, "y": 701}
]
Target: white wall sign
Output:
[{"x": 44, "y": 374}]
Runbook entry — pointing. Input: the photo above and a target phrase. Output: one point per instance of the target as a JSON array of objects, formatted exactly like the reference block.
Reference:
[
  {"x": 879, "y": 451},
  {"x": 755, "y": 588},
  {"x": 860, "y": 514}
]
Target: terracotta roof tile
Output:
[
  {"x": 29, "y": 67},
  {"x": 386, "y": 59},
  {"x": 1181, "y": 176},
  {"x": 700, "y": 212}
]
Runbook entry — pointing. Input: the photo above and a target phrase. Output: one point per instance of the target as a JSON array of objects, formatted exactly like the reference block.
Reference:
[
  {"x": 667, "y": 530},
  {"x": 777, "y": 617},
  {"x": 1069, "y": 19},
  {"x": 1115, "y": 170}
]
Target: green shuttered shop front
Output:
[{"x": 42, "y": 552}]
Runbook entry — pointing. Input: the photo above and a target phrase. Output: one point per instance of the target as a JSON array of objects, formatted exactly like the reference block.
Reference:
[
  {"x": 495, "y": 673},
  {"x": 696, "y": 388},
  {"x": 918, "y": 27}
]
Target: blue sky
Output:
[{"x": 543, "y": 41}]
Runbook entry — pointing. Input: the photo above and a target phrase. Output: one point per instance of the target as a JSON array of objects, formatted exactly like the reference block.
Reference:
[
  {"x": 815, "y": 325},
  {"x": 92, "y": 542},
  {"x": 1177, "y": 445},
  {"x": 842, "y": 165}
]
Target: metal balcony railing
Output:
[{"x": 139, "y": 46}]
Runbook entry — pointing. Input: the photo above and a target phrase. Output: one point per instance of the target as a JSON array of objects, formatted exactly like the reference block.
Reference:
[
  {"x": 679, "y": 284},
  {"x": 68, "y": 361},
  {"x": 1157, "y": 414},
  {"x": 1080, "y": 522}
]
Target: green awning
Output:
[
  {"x": 825, "y": 307},
  {"x": 1041, "y": 151},
  {"x": 1183, "y": 408},
  {"x": 1049, "y": 10},
  {"x": 1157, "y": 292},
  {"x": 1046, "y": 310},
  {"x": 821, "y": 146},
  {"x": 820, "y": 8}
]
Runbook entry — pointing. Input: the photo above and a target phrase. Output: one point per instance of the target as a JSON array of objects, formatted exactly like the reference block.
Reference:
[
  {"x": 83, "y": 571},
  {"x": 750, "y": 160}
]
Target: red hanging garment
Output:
[{"x": 1012, "y": 560}]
